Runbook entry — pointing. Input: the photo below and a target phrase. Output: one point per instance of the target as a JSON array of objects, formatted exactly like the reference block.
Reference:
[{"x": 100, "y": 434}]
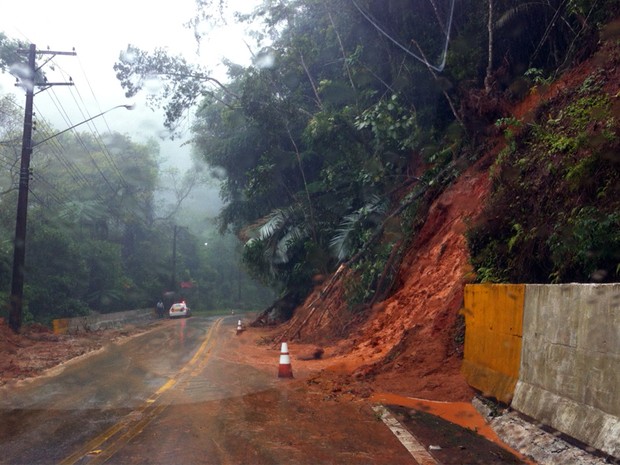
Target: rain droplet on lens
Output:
[{"x": 265, "y": 60}]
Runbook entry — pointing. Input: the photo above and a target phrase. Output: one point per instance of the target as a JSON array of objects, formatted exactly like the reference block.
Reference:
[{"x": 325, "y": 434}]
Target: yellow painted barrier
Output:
[
  {"x": 493, "y": 335},
  {"x": 60, "y": 326}
]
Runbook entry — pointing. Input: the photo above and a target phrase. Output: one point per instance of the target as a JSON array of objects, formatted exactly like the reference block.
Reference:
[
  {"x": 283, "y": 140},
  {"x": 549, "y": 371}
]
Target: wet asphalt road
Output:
[
  {"x": 169, "y": 397},
  {"x": 174, "y": 396},
  {"x": 45, "y": 420}
]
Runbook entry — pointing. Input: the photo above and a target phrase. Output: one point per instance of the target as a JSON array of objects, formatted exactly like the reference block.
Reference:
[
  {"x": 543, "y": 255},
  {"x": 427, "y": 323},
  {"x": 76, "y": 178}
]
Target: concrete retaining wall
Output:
[
  {"x": 102, "y": 321},
  {"x": 569, "y": 365}
]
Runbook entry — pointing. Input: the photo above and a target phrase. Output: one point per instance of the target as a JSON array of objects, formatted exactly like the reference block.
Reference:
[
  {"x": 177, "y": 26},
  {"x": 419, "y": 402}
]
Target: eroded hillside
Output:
[{"x": 411, "y": 342}]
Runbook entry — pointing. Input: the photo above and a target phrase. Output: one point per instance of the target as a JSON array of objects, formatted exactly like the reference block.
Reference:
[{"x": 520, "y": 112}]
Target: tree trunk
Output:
[{"x": 488, "y": 78}]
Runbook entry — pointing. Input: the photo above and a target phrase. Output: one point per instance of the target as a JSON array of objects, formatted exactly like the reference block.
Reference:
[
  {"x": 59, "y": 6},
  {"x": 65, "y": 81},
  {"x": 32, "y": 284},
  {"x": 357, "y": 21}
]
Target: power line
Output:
[
  {"x": 78, "y": 137},
  {"x": 53, "y": 194},
  {"x": 98, "y": 139},
  {"x": 111, "y": 159},
  {"x": 57, "y": 149},
  {"x": 93, "y": 130}
]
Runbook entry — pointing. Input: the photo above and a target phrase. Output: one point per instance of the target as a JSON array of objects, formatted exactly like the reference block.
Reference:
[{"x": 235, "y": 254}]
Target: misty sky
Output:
[{"x": 99, "y": 30}]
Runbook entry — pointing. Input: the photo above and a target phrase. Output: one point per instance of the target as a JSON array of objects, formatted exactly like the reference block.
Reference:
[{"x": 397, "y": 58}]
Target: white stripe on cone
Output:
[{"x": 285, "y": 370}]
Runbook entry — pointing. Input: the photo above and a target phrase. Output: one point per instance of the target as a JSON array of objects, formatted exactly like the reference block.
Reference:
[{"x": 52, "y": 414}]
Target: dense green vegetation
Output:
[
  {"x": 320, "y": 138},
  {"x": 108, "y": 228},
  {"x": 554, "y": 215},
  {"x": 351, "y": 119},
  {"x": 96, "y": 240}
]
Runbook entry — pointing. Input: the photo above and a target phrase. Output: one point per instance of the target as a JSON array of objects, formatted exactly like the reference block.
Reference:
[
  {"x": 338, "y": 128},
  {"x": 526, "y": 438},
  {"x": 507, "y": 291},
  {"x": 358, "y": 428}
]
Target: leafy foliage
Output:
[
  {"x": 553, "y": 216},
  {"x": 356, "y": 227},
  {"x": 361, "y": 286},
  {"x": 163, "y": 78},
  {"x": 321, "y": 135}
]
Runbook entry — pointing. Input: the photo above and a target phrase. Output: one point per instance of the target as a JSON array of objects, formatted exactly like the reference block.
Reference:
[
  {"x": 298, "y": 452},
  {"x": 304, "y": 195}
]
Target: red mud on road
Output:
[
  {"x": 323, "y": 384},
  {"x": 300, "y": 411},
  {"x": 463, "y": 414},
  {"x": 37, "y": 349}
]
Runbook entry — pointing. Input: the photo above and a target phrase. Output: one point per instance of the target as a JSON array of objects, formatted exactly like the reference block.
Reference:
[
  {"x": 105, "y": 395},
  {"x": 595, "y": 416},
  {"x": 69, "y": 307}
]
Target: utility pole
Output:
[
  {"x": 19, "y": 253},
  {"x": 173, "y": 278}
]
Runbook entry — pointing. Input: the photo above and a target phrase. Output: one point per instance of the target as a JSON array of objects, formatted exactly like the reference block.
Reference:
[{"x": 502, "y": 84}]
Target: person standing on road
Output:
[{"x": 160, "y": 309}]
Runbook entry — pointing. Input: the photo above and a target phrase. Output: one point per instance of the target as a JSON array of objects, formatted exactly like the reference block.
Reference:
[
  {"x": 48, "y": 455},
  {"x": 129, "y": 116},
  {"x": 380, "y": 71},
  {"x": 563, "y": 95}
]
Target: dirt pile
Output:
[
  {"x": 409, "y": 344},
  {"x": 37, "y": 349}
]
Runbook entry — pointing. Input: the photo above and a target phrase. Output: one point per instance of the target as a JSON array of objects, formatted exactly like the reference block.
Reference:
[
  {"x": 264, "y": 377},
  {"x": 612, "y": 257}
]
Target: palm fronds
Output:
[
  {"x": 281, "y": 230},
  {"x": 345, "y": 240}
]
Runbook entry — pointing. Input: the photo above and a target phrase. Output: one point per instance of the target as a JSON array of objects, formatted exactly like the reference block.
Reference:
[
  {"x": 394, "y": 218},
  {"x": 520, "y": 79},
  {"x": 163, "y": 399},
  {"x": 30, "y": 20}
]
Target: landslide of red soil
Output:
[
  {"x": 405, "y": 345},
  {"x": 409, "y": 344},
  {"x": 417, "y": 326}
]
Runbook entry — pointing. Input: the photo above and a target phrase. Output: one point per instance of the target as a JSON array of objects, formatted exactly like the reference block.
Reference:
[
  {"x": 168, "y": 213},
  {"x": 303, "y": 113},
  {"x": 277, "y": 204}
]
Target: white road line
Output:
[{"x": 417, "y": 450}]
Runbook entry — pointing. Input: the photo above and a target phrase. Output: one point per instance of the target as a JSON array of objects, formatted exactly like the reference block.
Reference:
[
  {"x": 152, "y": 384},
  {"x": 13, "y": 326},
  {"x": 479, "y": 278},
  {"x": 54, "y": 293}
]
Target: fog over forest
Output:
[{"x": 328, "y": 141}]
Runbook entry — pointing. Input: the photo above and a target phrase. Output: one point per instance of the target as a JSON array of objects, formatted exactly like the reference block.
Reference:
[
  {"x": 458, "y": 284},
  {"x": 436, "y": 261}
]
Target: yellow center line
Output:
[
  {"x": 165, "y": 387},
  {"x": 148, "y": 410}
]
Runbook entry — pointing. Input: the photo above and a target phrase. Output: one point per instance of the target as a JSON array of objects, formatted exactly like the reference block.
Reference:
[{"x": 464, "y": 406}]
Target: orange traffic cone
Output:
[
  {"x": 239, "y": 328},
  {"x": 285, "y": 370}
]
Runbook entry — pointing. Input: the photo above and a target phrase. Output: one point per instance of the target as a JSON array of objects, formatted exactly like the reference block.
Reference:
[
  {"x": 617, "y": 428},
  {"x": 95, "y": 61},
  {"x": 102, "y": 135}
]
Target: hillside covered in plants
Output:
[
  {"x": 502, "y": 219},
  {"x": 355, "y": 116}
]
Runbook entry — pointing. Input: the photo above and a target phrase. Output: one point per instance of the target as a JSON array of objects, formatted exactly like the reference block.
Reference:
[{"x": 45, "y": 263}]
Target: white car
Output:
[{"x": 179, "y": 309}]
